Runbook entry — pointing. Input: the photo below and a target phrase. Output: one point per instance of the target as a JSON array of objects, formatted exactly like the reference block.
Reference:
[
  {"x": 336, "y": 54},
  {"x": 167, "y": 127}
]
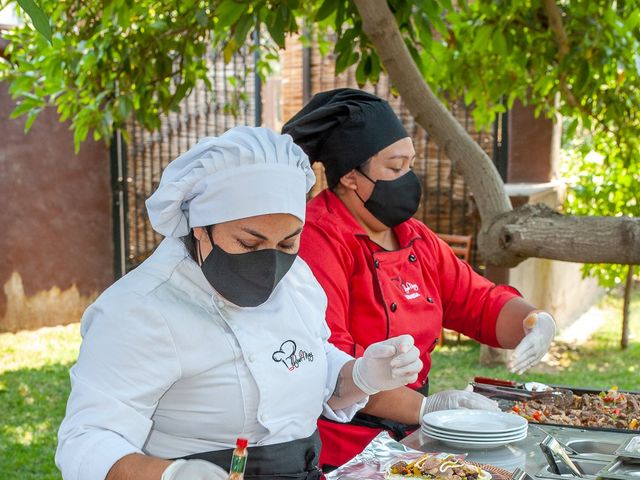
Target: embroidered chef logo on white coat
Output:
[{"x": 290, "y": 356}]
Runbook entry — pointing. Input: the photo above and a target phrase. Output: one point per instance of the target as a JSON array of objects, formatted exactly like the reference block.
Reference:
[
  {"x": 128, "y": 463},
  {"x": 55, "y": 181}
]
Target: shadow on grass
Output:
[{"x": 32, "y": 404}]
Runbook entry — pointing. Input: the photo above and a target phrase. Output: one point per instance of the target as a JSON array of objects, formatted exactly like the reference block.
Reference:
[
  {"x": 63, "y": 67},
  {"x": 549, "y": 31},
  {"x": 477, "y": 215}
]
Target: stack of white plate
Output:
[{"x": 474, "y": 429}]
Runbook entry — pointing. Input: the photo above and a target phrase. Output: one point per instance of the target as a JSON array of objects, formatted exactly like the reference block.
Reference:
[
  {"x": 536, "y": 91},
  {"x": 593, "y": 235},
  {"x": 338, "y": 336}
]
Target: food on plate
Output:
[
  {"x": 612, "y": 409},
  {"x": 436, "y": 467}
]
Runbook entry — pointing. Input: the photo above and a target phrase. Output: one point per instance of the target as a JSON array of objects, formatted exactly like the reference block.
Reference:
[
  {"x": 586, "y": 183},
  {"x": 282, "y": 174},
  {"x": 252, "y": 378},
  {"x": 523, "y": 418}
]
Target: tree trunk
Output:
[
  {"x": 628, "y": 286},
  {"x": 506, "y": 237}
]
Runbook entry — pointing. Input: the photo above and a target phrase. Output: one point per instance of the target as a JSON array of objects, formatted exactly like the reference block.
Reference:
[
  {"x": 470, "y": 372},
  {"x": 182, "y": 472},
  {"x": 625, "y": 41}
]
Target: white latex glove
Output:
[
  {"x": 453, "y": 399},
  {"x": 194, "y": 470},
  {"x": 539, "y": 328},
  {"x": 387, "y": 365}
]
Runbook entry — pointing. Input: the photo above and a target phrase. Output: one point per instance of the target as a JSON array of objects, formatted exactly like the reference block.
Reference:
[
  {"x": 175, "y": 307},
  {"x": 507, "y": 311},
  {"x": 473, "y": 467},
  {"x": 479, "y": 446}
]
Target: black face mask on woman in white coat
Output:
[{"x": 245, "y": 279}]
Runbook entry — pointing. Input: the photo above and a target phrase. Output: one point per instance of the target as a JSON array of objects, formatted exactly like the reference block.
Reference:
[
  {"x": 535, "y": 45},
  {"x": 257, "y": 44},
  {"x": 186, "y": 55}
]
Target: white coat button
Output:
[
  {"x": 264, "y": 417},
  {"x": 220, "y": 304},
  {"x": 252, "y": 358}
]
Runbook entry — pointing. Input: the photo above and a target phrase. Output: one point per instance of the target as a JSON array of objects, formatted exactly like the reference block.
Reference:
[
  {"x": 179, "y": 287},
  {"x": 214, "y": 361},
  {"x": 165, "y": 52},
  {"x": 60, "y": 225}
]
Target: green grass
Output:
[
  {"x": 34, "y": 382},
  {"x": 34, "y": 385}
]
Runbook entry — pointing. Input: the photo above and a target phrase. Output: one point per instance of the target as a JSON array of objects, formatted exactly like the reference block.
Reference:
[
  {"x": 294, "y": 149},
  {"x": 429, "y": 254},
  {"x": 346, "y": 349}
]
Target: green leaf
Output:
[
  {"x": 431, "y": 8},
  {"x": 179, "y": 94},
  {"x": 38, "y": 17},
  {"x": 582, "y": 78},
  {"x": 33, "y": 114},
  {"x": 228, "y": 12},
  {"x": 499, "y": 43},
  {"x": 633, "y": 21},
  {"x": 243, "y": 26},
  {"x": 361, "y": 70},
  {"x": 125, "y": 107},
  {"x": 326, "y": 9},
  {"x": 22, "y": 108},
  {"x": 447, "y": 4},
  {"x": 161, "y": 25},
  {"x": 374, "y": 75},
  {"x": 79, "y": 135},
  {"x": 202, "y": 17},
  {"x": 345, "y": 59},
  {"x": 482, "y": 37},
  {"x": 276, "y": 27},
  {"x": 229, "y": 49}
]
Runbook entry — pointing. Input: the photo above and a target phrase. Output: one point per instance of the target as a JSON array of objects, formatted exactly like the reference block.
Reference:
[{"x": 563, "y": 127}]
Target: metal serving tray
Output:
[
  {"x": 591, "y": 468},
  {"x": 579, "y": 391},
  {"x": 625, "y": 450},
  {"x": 621, "y": 469}
]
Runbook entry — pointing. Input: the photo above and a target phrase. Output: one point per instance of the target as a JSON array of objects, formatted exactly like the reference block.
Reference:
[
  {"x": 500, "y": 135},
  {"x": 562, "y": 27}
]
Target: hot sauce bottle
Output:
[{"x": 239, "y": 460}]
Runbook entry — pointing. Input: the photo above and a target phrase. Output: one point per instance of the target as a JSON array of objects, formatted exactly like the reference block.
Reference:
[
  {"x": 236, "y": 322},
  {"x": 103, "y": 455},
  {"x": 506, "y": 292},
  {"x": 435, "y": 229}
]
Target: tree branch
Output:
[
  {"x": 539, "y": 231},
  {"x": 553, "y": 13},
  {"x": 557, "y": 27}
]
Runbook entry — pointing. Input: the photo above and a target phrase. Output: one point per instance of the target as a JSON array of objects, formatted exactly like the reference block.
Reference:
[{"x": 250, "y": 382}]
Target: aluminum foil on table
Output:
[{"x": 375, "y": 459}]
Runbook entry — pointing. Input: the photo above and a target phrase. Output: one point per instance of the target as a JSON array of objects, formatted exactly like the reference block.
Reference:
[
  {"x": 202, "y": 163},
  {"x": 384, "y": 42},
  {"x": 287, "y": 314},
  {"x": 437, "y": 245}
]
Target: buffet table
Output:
[{"x": 595, "y": 449}]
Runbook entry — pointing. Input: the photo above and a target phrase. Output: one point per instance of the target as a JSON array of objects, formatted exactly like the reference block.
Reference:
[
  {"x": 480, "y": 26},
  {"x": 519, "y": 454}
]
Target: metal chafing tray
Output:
[
  {"x": 507, "y": 404},
  {"x": 630, "y": 448},
  {"x": 621, "y": 469},
  {"x": 593, "y": 391}
]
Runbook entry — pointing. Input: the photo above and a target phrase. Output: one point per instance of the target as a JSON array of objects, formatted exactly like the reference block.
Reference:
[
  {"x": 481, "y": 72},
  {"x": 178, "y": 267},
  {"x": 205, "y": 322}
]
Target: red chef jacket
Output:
[{"x": 374, "y": 294}]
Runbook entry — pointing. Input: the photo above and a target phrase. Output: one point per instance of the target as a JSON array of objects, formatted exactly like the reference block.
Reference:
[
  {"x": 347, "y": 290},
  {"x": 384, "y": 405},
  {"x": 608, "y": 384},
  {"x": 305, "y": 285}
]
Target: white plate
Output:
[
  {"x": 464, "y": 438},
  {"x": 484, "y": 435},
  {"x": 475, "y": 445},
  {"x": 473, "y": 437},
  {"x": 474, "y": 421}
]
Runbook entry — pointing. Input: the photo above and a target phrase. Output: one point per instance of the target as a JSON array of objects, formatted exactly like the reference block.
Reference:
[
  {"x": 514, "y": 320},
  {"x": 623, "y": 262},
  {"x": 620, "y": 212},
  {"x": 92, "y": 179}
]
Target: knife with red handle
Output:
[{"x": 497, "y": 381}]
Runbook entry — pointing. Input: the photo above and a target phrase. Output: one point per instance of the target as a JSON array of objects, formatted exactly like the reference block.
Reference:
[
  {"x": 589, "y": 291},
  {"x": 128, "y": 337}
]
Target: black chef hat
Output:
[{"x": 343, "y": 128}]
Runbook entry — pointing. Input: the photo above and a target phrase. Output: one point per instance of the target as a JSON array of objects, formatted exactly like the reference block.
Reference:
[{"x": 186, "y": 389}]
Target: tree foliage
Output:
[
  {"x": 109, "y": 60},
  {"x": 603, "y": 188}
]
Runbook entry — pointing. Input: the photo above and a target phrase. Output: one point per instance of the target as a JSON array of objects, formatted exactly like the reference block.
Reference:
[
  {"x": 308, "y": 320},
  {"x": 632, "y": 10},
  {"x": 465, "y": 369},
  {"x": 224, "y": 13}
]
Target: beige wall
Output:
[{"x": 557, "y": 287}]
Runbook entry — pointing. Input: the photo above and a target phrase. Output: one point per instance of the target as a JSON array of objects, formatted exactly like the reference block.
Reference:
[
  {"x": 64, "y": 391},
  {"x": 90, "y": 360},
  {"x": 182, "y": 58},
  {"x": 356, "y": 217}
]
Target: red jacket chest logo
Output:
[{"x": 410, "y": 290}]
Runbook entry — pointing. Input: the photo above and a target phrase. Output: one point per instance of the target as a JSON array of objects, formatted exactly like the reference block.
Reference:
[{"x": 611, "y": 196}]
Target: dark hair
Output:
[{"x": 191, "y": 243}]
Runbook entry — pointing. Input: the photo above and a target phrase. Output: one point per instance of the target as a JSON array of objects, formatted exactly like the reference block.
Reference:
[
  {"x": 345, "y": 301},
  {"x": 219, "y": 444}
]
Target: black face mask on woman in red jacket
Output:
[{"x": 394, "y": 201}]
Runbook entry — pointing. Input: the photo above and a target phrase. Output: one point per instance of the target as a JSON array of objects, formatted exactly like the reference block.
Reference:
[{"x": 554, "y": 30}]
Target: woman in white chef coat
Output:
[{"x": 219, "y": 334}]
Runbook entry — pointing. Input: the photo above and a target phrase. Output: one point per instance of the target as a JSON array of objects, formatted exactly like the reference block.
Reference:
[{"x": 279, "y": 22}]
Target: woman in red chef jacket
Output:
[{"x": 386, "y": 273}]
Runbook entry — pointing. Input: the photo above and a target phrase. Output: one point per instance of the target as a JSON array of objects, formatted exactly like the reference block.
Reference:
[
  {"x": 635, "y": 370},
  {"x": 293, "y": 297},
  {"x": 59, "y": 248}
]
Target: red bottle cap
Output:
[{"x": 242, "y": 443}]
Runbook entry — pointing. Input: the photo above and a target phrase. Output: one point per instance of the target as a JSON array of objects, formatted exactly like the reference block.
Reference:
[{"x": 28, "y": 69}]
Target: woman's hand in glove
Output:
[
  {"x": 194, "y": 470},
  {"x": 387, "y": 365},
  {"x": 453, "y": 399},
  {"x": 539, "y": 328}
]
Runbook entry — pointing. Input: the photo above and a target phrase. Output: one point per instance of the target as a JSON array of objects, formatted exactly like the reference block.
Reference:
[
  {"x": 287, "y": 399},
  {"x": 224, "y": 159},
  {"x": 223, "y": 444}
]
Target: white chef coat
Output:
[{"x": 169, "y": 368}]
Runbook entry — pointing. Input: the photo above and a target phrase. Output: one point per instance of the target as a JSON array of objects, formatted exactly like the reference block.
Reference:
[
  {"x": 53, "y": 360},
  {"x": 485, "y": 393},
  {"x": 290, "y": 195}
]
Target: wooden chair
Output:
[{"x": 461, "y": 246}]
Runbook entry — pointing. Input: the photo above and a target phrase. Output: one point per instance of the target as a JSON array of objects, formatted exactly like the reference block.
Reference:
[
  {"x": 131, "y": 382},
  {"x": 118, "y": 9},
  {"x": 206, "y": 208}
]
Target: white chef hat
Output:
[{"x": 245, "y": 172}]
